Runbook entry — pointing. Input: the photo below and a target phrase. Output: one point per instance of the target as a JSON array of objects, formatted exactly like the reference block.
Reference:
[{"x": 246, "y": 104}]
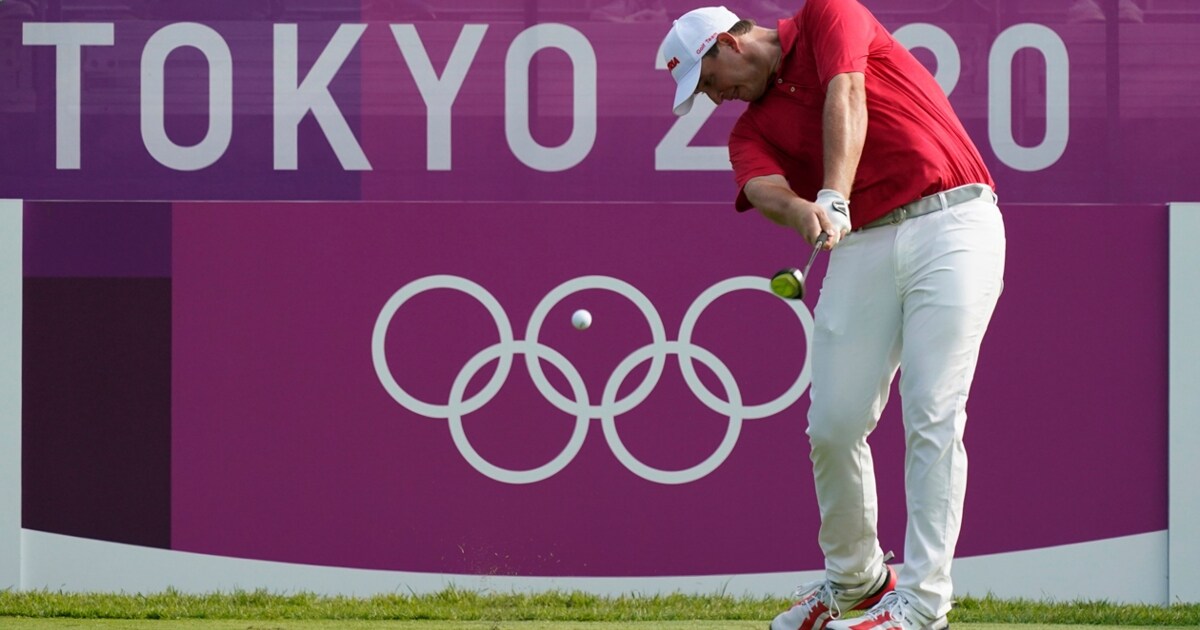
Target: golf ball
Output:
[{"x": 581, "y": 319}]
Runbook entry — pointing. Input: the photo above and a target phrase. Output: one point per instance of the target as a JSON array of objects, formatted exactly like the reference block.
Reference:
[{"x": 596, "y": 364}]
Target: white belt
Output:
[{"x": 933, "y": 203}]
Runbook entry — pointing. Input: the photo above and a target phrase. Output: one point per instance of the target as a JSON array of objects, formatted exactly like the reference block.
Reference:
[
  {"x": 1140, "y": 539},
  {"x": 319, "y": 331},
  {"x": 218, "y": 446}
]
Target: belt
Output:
[{"x": 932, "y": 203}]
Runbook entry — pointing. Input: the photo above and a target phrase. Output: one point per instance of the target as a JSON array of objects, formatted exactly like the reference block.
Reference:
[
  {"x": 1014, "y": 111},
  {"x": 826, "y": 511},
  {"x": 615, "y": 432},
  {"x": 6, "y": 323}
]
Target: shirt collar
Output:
[{"x": 789, "y": 31}]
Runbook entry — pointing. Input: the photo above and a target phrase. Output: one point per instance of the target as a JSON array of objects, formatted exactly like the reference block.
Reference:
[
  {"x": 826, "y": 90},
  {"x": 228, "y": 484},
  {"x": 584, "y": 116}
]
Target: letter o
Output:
[{"x": 516, "y": 97}]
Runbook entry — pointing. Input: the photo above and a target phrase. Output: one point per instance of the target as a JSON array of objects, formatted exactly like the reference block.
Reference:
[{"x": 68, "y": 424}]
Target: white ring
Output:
[
  {"x": 658, "y": 335},
  {"x": 379, "y": 352},
  {"x": 609, "y": 407},
  {"x": 752, "y": 412},
  {"x": 635, "y": 465},
  {"x": 547, "y": 470}
]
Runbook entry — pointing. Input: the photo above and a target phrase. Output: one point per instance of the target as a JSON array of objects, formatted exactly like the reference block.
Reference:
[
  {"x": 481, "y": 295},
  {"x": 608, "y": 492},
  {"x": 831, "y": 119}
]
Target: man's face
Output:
[{"x": 729, "y": 75}]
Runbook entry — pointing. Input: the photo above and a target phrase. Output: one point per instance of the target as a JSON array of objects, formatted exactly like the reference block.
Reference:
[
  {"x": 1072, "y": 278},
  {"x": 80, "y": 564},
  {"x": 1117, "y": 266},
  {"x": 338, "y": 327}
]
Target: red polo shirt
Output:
[{"x": 915, "y": 144}]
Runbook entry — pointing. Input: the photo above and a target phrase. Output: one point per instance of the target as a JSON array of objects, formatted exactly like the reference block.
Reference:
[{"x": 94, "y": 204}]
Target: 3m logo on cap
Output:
[{"x": 672, "y": 63}]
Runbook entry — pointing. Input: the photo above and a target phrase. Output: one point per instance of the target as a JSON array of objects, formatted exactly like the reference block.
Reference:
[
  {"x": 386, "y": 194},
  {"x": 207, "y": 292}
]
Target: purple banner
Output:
[
  {"x": 386, "y": 376},
  {"x": 348, "y": 385},
  {"x": 291, "y": 442},
  {"x": 1070, "y": 101}
]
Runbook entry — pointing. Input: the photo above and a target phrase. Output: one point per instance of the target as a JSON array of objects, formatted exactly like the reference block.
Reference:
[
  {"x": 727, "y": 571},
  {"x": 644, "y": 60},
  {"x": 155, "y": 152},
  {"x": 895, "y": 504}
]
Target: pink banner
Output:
[
  {"x": 352, "y": 387},
  {"x": 543, "y": 100},
  {"x": 385, "y": 376}
]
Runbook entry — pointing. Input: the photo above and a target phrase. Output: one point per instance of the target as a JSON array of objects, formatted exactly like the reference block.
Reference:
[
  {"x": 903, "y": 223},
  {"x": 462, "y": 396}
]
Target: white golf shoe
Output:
[
  {"x": 893, "y": 612},
  {"x": 818, "y": 603}
]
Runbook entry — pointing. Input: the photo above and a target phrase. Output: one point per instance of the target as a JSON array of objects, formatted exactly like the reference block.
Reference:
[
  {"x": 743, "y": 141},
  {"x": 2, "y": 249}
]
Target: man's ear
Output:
[{"x": 730, "y": 41}]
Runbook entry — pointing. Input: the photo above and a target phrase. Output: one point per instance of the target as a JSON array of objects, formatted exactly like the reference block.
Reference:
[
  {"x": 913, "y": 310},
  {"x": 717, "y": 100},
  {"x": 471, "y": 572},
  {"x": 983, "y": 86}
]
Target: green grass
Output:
[
  {"x": 455, "y": 608},
  {"x": 14, "y": 623}
]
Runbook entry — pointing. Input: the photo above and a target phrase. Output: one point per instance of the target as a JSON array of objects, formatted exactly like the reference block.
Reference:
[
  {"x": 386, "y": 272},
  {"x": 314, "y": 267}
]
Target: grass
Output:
[
  {"x": 199, "y": 624},
  {"x": 455, "y": 608}
]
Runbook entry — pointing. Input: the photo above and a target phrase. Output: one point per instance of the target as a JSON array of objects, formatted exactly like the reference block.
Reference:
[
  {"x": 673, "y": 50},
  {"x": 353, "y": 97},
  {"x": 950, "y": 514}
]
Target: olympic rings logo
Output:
[{"x": 609, "y": 406}]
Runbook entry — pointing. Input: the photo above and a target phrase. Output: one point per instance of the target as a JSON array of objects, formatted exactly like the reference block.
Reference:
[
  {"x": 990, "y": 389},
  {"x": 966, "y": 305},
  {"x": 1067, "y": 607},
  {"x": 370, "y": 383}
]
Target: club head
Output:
[{"x": 788, "y": 284}]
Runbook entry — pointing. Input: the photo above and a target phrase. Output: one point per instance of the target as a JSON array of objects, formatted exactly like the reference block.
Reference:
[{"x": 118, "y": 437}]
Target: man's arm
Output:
[
  {"x": 774, "y": 198},
  {"x": 844, "y": 124},
  {"x": 844, "y": 129}
]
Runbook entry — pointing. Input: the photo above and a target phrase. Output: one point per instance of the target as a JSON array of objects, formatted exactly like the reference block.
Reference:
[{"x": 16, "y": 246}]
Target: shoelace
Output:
[
  {"x": 813, "y": 593},
  {"x": 894, "y": 604}
]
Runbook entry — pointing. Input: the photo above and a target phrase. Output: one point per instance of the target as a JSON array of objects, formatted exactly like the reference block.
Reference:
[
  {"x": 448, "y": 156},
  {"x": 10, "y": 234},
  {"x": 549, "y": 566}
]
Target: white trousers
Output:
[{"x": 916, "y": 296}]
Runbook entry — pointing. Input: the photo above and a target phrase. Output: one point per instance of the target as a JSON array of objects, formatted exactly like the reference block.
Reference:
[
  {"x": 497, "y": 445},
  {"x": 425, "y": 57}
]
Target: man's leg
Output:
[
  {"x": 855, "y": 351},
  {"x": 952, "y": 274}
]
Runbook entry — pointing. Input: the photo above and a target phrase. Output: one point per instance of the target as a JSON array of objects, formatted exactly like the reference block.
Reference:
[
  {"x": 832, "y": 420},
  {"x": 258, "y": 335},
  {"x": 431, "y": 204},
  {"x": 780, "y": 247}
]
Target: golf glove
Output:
[{"x": 837, "y": 208}]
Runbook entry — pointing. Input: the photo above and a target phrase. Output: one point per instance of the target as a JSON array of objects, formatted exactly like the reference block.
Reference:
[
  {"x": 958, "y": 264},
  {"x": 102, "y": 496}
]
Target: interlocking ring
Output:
[
  {"x": 407, "y": 292},
  {"x": 609, "y": 421},
  {"x": 609, "y": 406},
  {"x": 657, "y": 333},
  {"x": 531, "y": 350}
]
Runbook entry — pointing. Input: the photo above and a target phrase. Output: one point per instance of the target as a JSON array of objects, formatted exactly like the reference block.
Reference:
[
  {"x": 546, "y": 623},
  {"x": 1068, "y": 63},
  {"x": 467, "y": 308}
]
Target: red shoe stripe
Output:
[
  {"x": 819, "y": 613},
  {"x": 821, "y": 620},
  {"x": 879, "y": 621},
  {"x": 888, "y": 587}
]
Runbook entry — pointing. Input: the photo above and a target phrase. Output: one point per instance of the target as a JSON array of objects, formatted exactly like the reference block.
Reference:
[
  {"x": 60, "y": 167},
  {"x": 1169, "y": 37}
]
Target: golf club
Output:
[{"x": 789, "y": 283}]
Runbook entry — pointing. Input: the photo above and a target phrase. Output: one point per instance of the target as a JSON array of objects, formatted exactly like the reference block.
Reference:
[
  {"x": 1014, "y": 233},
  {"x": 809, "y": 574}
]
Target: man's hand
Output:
[{"x": 837, "y": 208}]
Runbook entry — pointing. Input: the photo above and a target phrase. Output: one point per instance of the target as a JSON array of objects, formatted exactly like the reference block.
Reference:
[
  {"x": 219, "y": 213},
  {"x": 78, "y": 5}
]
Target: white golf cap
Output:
[{"x": 690, "y": 37}]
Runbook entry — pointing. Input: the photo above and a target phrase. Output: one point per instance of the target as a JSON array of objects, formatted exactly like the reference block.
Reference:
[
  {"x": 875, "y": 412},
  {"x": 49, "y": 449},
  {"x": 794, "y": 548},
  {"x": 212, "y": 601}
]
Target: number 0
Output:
[{"x": 1058, "y": 111}]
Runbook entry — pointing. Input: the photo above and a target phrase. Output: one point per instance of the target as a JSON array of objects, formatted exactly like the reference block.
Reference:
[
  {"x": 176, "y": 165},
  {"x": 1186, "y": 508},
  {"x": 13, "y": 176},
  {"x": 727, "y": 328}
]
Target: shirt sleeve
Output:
[
  {"x": 841, "y": 32},
  {"x": 751, "y": 157}
]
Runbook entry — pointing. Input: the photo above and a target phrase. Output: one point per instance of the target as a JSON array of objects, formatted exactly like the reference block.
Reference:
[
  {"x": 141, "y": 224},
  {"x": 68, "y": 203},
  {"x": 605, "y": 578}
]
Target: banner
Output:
[
  {"x": 399, "y": 386},
  {"x": 298, "y": 277},
  {"x": 544, "y": 100}
]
